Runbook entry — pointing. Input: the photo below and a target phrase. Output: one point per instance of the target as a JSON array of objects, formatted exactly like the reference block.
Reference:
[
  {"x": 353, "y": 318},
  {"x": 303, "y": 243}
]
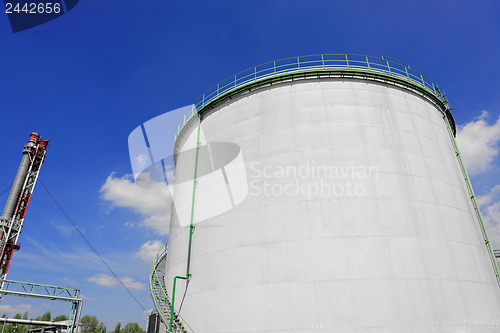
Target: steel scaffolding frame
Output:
[{"x": 54, "y": 293}]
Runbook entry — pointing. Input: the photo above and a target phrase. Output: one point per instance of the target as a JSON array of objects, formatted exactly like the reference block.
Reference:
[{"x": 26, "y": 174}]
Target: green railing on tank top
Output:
[{"x": 314, "y": 63}]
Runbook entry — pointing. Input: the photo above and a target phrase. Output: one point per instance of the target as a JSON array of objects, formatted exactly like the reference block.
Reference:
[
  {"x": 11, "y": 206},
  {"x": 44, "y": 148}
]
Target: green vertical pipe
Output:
[
  {"x": 195, "y": 182},
  {"x": 473, "y": 198},
  {"x": 173, "y": 300},
  {"x": 191, "y": 227}
]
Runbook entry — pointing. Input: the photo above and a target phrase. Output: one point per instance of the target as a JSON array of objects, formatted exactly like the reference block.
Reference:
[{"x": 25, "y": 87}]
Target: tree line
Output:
[{"x": 90, "y": 324}]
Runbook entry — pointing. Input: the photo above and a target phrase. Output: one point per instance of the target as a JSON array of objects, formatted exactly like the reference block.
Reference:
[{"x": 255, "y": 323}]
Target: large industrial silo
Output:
[{"x": 336, "y": 201}]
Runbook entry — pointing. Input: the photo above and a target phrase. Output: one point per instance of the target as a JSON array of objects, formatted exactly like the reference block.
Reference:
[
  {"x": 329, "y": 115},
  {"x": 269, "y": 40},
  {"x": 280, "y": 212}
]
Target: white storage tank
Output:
[{"x": 329, "y": 198}]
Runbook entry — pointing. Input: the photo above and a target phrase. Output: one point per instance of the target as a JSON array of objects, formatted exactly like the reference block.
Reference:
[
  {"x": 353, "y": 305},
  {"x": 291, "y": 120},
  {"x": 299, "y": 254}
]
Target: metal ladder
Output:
[{"x": 160, "y": 295}]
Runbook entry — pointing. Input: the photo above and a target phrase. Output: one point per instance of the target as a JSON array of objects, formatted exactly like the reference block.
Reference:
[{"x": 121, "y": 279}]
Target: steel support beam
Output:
[
  {"x": 36, "y": 290},
  {"x": 34, "y": 322}
]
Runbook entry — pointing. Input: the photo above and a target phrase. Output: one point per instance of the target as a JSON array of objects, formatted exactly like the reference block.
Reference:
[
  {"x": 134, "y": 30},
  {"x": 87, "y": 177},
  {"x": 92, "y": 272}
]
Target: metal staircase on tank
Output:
[{"x": 160, "y": 295}]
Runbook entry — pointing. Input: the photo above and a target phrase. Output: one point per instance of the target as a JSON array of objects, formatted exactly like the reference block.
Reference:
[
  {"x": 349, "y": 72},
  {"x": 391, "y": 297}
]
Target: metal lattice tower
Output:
[{"x": 11, "y": 222}]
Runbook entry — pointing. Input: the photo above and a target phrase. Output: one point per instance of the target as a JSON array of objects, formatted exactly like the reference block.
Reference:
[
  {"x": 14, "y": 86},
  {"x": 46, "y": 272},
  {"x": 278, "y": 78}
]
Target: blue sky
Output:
[{"x": 88, "y": 78}]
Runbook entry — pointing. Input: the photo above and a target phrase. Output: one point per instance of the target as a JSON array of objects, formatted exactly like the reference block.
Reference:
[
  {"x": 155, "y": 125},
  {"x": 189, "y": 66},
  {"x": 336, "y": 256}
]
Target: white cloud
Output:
[
  {"x": 489, "y": 204},
  {"x": 12, "y": 310},
  {"x": 69, "y": 281},
  {"x": 52, "y": 258},
  {"x": 487, "y": 198},
  {"x": 104, "y": 280},
  {"x": 150, "y": 199},
  {"x": 142, "y": 161},
  {"x": 63, "y": 228},
  {"x": 478, "y": 143},
  {"x": 146, "y": 314},
  {"x": 132, "y": 284},
  {"x": 170, "y": 173},
  {"x": 86, "y": 298},
  {"x": 84, "y": 262},
  {"x": 491, "y": 215},
  {"x": 109, "y": 281},
  {"x": 148, "y": 250}
]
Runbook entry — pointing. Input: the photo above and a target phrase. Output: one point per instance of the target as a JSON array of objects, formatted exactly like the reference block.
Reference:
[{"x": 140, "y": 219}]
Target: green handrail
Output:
[
  {"x": 162, "y": 301},
  {"x": 317, "y": 62}
]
